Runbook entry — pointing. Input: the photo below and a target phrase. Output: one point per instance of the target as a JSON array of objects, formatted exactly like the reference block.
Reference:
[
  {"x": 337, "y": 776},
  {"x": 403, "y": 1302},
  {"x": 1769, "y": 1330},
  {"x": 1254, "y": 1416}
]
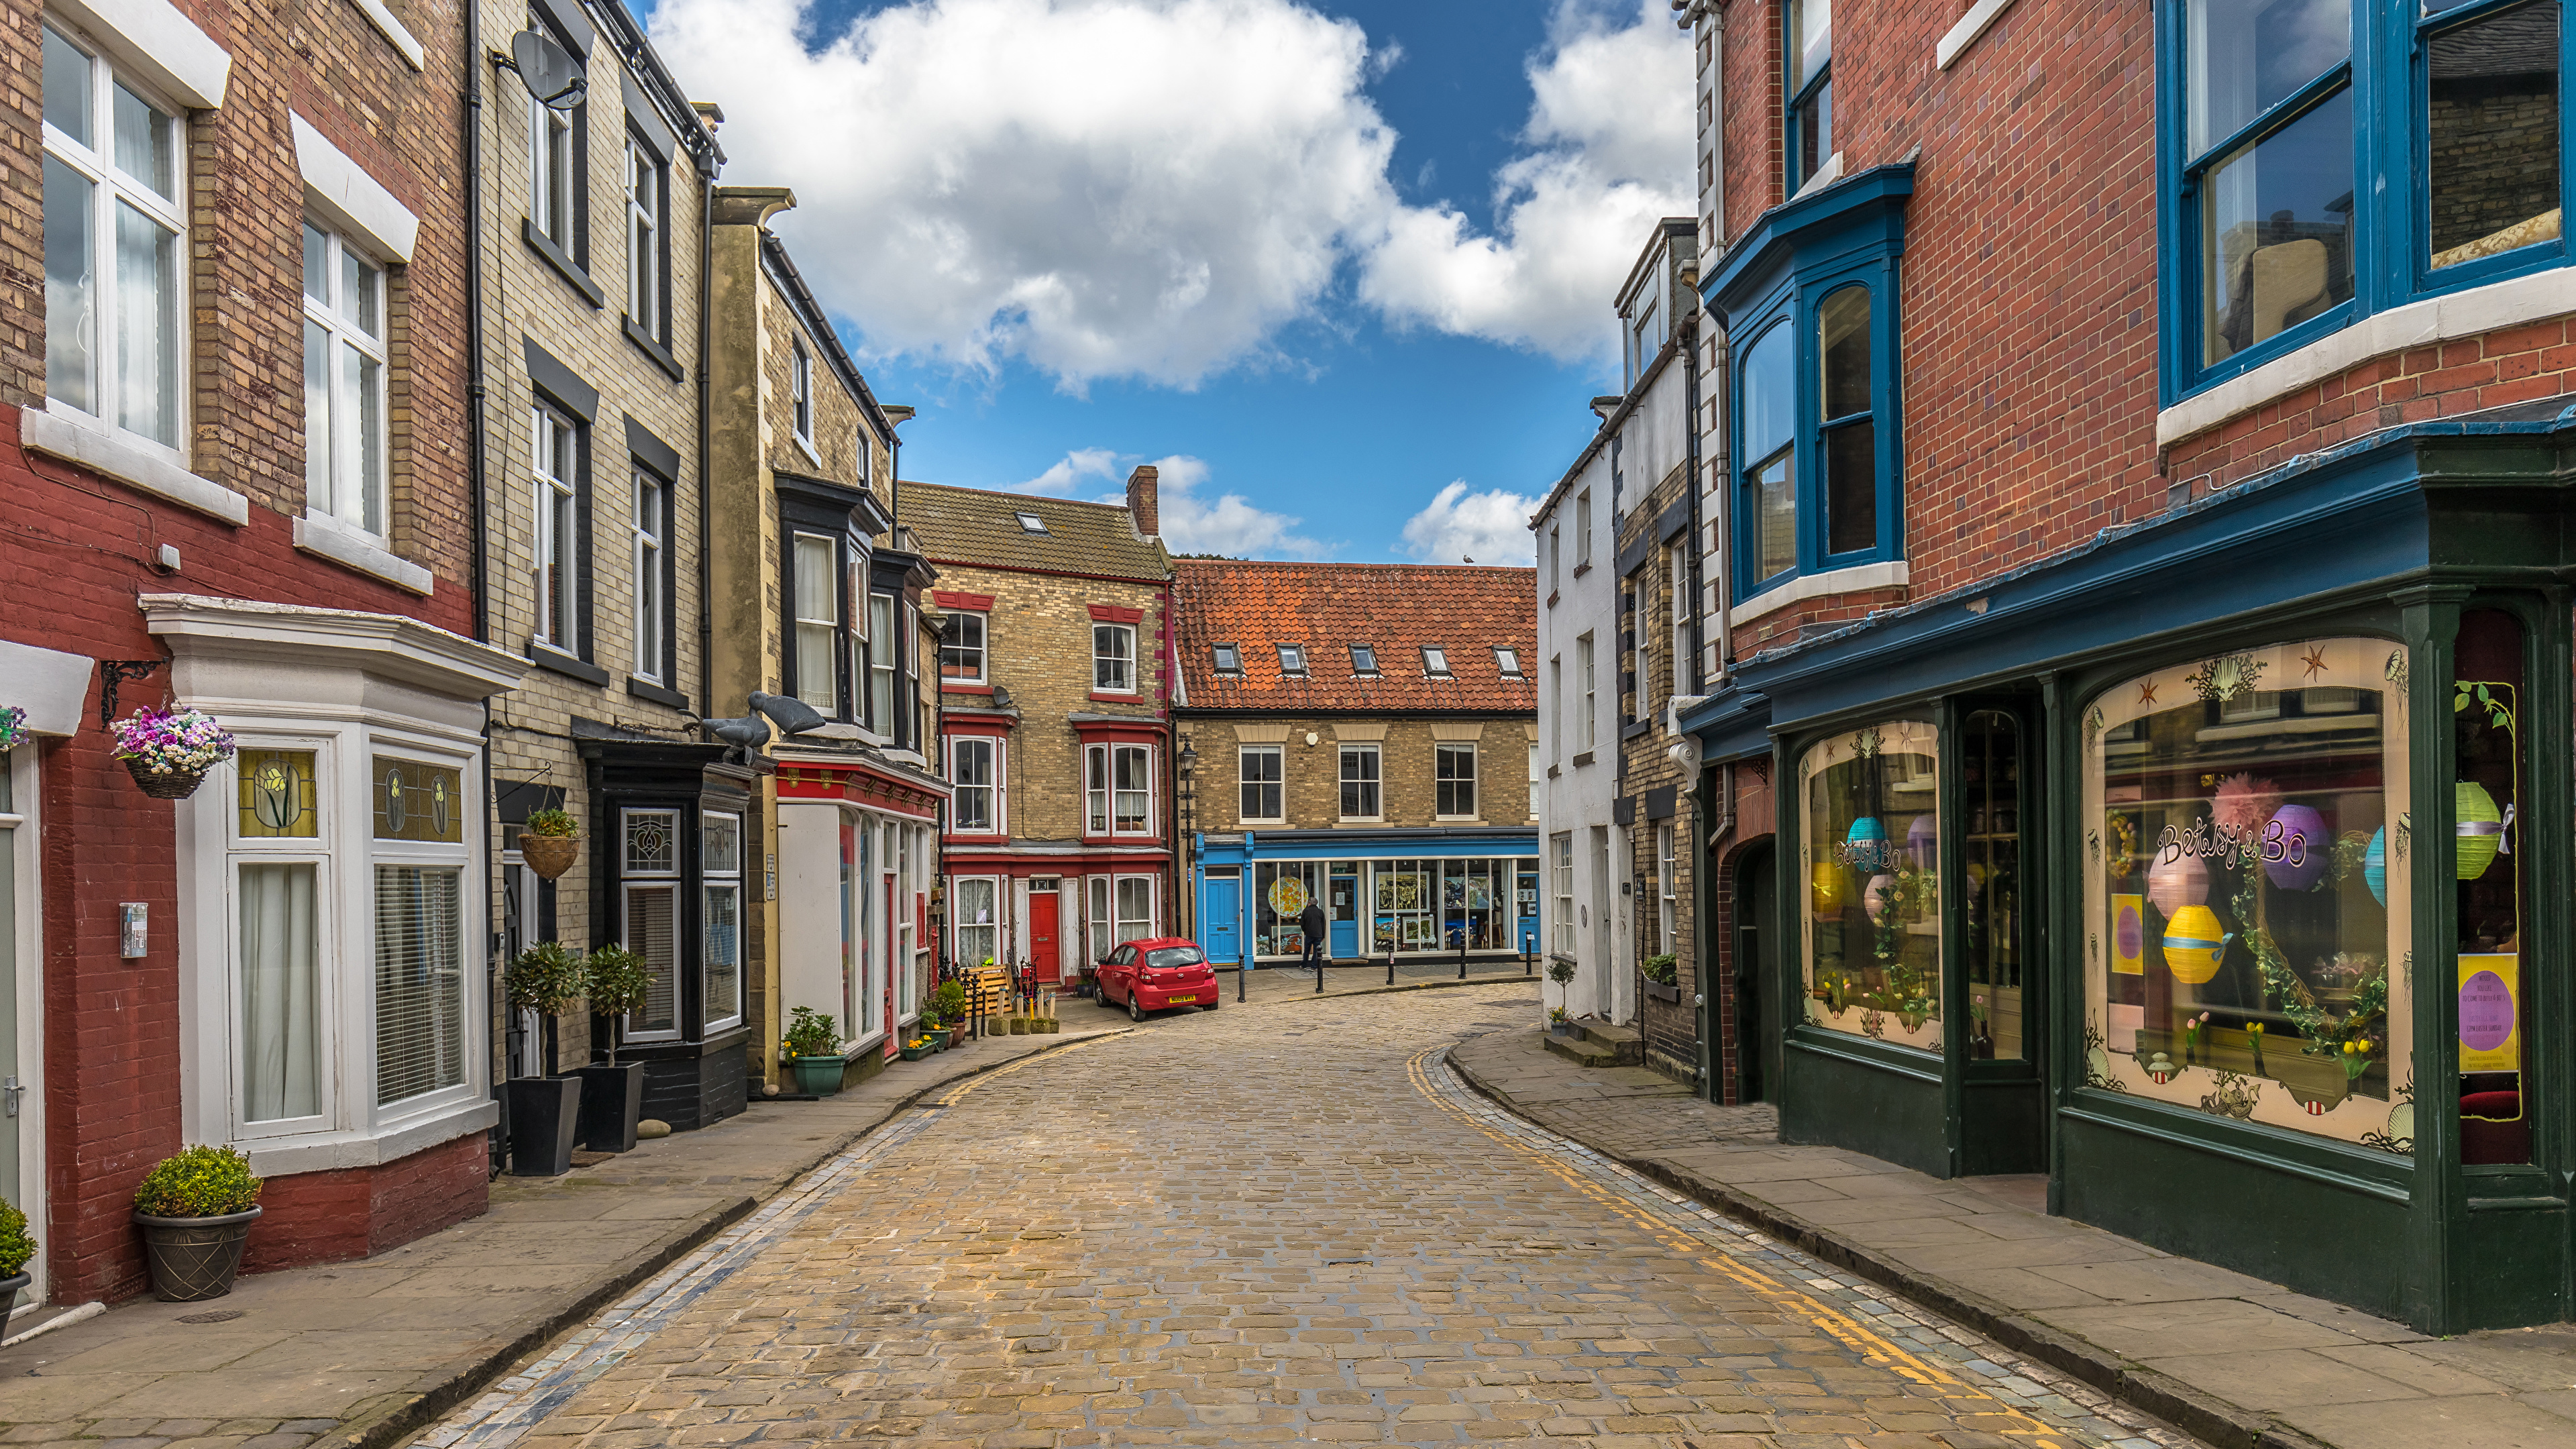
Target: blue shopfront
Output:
[{"x": 1417, "y": 892}]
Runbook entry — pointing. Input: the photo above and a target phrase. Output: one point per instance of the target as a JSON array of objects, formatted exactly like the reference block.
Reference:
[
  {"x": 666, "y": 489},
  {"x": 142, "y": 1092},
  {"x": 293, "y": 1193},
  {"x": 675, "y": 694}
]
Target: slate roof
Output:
[
  {"x": 977, "y": 527},
  {"x": 1395, "y": 609}
]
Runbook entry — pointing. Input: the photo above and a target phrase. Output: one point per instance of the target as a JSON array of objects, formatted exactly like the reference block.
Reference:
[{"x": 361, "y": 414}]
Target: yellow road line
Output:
[
  {"x": 1049, "y": 1054},
  {"x": 1852, "y": 1333}
]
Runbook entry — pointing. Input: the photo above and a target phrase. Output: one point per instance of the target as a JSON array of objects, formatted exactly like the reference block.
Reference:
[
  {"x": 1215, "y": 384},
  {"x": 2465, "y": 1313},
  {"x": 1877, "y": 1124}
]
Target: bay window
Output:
[
  {"x": 114, "y": 214},
  {"x": 979, "y": 920},
  {"x": 2329, "y": 159},
  {"x": 720, "y": 863},
  {"x": 883, "y": 648},
  {"x": 1135, "y": 909},
  {"x": 1118, "y": 790},
  {"x": 649, "y": 916},
  {"x": 817, "y": 592}
]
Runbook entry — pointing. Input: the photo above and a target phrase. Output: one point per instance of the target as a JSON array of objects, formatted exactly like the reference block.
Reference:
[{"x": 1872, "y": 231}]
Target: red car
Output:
[{"x": 1152, "y": 975}]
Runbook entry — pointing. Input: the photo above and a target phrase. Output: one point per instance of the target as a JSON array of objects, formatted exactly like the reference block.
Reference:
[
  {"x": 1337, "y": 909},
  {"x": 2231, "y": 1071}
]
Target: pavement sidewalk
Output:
[
  {"x": 2232, "y": 1360},
  {"x": 366, "y": 1353}
]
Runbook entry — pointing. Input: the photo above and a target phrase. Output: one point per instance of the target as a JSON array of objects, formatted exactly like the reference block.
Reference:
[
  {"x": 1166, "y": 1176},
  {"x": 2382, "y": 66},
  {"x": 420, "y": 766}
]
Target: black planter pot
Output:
[
  {"x": 194, "y": 1258},
  {"x": 10, "y": 1288},
  {"x": 612, "y": 1098},
  {"x": 1661, "y": 992},
  {"x": 545, "y": 1114}
]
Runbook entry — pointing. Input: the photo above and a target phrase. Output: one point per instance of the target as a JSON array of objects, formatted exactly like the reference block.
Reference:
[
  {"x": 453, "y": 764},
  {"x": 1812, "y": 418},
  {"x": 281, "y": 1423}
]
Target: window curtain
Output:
[{"x": 281, "y": 1069}]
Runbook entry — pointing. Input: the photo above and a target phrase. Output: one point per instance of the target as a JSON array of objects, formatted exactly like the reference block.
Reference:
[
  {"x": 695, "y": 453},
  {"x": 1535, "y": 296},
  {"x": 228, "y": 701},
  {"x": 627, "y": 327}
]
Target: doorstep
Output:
[
  {"x": 2230, "y": 1359},
  {"x": 364, "y": 1354}
]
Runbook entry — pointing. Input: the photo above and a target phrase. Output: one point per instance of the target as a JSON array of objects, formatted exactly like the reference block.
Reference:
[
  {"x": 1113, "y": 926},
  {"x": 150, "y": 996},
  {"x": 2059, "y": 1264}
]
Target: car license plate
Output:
[{"x": 1180, "y": 1000}]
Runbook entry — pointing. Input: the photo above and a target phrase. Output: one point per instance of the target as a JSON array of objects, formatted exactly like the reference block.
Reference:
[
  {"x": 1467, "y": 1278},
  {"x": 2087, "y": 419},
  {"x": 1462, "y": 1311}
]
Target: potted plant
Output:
[
  {"x": 169, "y": 751},
  {"x": 612, "y": 1092},
  {"x": 17, "y": 1249},
  {"x": 550, "y": 842},
  {"x": 814, "y": 1052},
  {"x": 195, "y": 1209},
  {"x": 545, "y": 1112},
  {"x": 1560, "y": 971},
  {"x": 915, "y": 1049},
  {"x": 949, "y": 1000},
  {"x": 1663, "y": 977}
]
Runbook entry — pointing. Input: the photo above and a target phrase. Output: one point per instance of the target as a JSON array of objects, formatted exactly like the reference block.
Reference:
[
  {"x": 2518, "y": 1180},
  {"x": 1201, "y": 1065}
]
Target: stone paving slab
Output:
[
  {"x": 362, "y": 1353},
  {"x": 2233, "y": 1360}
]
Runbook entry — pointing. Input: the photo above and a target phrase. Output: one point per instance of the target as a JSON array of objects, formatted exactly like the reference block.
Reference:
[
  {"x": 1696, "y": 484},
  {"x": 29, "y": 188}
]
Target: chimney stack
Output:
[{"x": 1140, "y": 500}]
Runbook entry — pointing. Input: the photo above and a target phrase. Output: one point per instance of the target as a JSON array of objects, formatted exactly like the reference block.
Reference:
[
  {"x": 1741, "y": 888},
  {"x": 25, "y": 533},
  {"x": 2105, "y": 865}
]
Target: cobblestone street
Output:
[{"x": 1275, "y": 1223}]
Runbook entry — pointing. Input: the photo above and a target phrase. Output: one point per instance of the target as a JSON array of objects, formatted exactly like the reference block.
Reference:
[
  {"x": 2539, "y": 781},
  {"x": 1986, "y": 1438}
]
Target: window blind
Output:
[{"x": 420, "y": 982}]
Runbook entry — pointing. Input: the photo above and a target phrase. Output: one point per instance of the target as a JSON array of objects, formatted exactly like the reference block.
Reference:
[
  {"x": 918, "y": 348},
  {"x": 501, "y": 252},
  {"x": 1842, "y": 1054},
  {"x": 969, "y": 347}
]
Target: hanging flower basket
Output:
[
  {"x": 550, "y": 855},
  {"x": 169, "y": 751}
]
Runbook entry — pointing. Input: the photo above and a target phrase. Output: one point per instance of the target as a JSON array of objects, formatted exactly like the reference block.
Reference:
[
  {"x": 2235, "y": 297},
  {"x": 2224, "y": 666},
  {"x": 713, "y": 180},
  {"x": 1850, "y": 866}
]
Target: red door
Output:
[{"x": 1047, "y": 960}]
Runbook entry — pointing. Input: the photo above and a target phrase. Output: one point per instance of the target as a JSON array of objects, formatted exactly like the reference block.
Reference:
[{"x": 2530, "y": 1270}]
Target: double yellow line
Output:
[{"x": 1840, "y": 1326}]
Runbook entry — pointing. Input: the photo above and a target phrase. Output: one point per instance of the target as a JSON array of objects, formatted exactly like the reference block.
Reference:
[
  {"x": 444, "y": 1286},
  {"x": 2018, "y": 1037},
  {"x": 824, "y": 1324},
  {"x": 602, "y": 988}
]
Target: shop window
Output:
[
  {"x": 979, "y": 921},
  {"x": 2327, "y": 159},
  {"x": 649, "y": 901},
  {"x": 1262, "y": 768},
  {"x": 1280, "y": 891},
  {"x": 1990, "y": 797},
  {"x": 1871, "y": 865},
  {"x": 1360, "y": 782},
  {"x": 2486, "y": 745},
  {"x": 2246, "y": 906},
  {"x": 1405, "y": 919}
]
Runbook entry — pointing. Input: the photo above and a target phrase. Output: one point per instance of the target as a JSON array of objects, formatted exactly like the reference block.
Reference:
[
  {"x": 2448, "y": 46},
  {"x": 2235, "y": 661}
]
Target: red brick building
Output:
[
  {"x": 2134, "y": 440},
  {"x": 218, "y": 201}
]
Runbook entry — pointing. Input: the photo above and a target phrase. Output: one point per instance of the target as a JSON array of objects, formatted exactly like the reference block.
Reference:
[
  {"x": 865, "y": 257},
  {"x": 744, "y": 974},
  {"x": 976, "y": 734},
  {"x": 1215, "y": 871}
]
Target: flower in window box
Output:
[
  {"x": 13, "y": 724},
  {"x": 168, "y": 751}
]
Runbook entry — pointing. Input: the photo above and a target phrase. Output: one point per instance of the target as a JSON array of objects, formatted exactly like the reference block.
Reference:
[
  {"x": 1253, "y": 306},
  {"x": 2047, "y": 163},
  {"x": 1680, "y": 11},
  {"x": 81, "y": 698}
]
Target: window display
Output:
[
  {"x": 1281, "y": 890},
  {"x": 2486, "y": 709},
  {"x": 2246, "y": 908},
  {"x": 1871, "y": 861}
]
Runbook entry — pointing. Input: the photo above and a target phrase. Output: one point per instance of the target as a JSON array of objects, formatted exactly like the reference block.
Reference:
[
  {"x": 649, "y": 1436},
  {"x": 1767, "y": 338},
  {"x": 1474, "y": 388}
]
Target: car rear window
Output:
[{"x": 1171, "y": 956}]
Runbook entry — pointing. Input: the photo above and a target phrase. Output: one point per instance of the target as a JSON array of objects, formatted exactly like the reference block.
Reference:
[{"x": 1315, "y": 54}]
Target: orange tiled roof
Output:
[{"x": 1395, "y": 609}]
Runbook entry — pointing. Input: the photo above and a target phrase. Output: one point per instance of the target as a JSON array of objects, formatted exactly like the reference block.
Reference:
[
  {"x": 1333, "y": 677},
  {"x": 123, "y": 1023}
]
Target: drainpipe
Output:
[
  {"x": 500, "y": 1025},
  {"x": 706, "y": 446}
]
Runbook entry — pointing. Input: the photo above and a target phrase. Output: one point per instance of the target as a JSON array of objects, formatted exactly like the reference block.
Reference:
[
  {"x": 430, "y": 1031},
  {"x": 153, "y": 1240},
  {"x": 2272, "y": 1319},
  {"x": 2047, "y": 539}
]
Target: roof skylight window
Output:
[
  {"x": 1363, "y": 659},
  {"x": 1030, "y": 523},
  {"x": 1229, "y": 659},
  {"x": 1508, "y": 660},
  {"x": 1292, "y": 658},
  {"x": 1435, "y": 661}
]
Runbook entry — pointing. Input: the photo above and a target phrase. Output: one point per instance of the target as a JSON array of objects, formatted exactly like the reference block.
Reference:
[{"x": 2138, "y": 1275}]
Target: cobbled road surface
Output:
[{"x": 1279, "y": 1223}]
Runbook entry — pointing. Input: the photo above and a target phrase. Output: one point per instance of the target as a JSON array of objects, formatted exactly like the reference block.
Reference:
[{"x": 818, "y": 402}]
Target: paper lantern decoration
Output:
[
  {"x": 2306, "y": 849},
  {"x": 1923, "y": 840},
  {"x": 2193, "y": 944},
  {"x": 1830, "y": 889},
  {"x": 2374, "y": 865},
  {"x": 1867, "y": 843},
  {"x": 2177, "y": 884},
  {"x": 2481, "y": 829},
  {"x": 1879, "y": 896}
]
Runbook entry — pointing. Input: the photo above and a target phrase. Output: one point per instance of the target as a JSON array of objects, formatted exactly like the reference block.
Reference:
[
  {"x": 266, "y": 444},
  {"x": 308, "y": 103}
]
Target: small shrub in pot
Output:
[{"x": 196, "y": 1208}]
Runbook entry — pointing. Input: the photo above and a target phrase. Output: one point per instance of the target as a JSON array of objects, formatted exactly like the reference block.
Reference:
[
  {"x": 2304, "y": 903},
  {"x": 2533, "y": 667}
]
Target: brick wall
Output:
[{"x": 1311, "y": 774}]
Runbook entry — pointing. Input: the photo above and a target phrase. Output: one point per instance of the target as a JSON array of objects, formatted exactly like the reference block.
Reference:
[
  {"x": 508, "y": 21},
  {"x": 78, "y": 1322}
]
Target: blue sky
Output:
[{"x": 1320, "y": 262}]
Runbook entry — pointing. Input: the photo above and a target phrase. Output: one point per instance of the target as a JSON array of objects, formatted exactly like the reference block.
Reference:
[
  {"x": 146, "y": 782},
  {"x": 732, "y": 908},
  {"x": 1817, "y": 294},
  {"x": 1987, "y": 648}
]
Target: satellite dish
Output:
[{"x": 547, "y": 70}]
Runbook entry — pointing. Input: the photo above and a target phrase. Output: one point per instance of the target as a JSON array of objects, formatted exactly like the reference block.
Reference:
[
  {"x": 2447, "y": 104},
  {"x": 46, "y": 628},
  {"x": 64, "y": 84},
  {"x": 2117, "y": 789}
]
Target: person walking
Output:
[{"x": 1311, "y": 922}]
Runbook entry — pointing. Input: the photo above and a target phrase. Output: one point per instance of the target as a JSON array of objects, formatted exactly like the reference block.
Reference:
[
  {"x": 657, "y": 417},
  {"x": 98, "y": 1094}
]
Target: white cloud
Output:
[
  {"x": 1152, "y": 189},
  {"x": 1067, "y": 474},
  {"x": 1107, "y": 188},
  {"x": 1230, "y": 525},
  {"x": 1490, "y": 527},
  {"x": 1610, "y": 128}
]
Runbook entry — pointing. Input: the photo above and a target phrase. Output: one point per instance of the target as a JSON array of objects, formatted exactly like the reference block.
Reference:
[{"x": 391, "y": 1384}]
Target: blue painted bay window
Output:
[
  {"x": 2324, "y": 160},
  {"x": 1809, "y": 300}
]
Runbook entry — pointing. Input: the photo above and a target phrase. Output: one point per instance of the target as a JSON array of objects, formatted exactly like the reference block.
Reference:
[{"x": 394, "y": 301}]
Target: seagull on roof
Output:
[{"x": 1469, "y": 560}]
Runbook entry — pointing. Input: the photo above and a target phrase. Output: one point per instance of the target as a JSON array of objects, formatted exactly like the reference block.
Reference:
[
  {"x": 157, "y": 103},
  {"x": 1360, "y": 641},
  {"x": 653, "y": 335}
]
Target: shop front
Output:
[
  {"x": 855, "y": 860},
  {"x": 2220, "y": 872},
  {"x": 1409, "y": 892}
]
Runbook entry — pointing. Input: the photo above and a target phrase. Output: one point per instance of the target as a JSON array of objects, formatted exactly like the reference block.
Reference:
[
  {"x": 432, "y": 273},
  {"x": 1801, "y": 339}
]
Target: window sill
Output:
[
  {"x": 653, "y": 349},
  {"x": 565, "y": 267},
  {"x": 97, "y": 447},
  {"x": 1631, "y": 731},
  {"x": 1553, "y": 771},
  {"x": 1363, "y": 820},
  {"x": 646, "y": 689},
  {"x": 805, "y": 445},
  {"x": 327, "y": 537},
  {"x": 1551, "y": 597},
  {"x": 950, "y": 686},
  {"x": 1583, "y": 759},
  {"x": 1583, "y": 568},
  {"x": 547, "y": 657},
  {"x": 1965, "y": 33},
  {"x": 2432, "y": 320},
  {"x": 1892, "y": 575},
  {"x": 1114, "y": 697},
  {"x": 342, "y": 1151},
  {"x": 1459, "y": 819},
  {"x": 394, "y": 30},
  {"x": 1823, "y": 176}
]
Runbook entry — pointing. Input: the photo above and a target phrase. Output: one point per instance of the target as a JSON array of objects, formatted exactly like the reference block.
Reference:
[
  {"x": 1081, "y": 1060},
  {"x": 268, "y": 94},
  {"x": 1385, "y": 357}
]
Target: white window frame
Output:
[
  {"x": 1642, "y": 620},
  {"x": 884, "y": 655},
  {"x": 713, "y": 879},
  {"x": 1442, "y": 749},
  {"x": 1507, "y": 662},
  {"x": 555, "y": 498},
  {"x": 1555, "y": 708},
  {"x": 1586, "y": 669},
  {"x": 1666, "y": 906},
  {"x": 996, "y": 821},
  {"x": 1125, "y": 927},
  {"x": 1277, "y": 784},
  {"x": 1537, "y": 780},
  {"x": 22, "y": 824},
  {"x": 1119, "y": 660},
  {"x": 982, "y": 647},
  {"x": 959, "y": 925},
  {"x": 1677, "y": 564},
  {"x": 1376, "y": 781},
  {"x": 800, "y": 385},
  {"x": 1583, "y": 530},
  {"x": 644, "y": 182},
  {"x": 347, "y": 446},
  {"x": 652, "y": 602},
  {"x": 1099, "y": 926},
  {"x": 554, "y": 199},
  {"x": 623, "y": 877},
  {"x": 110, "y": 187},
  {"x": 1561, "y": 867},
  {"x": 459, "y": 858},
  {"x": 1101, "y": 794},
  {"x": 800, "y": 548},
  {"x": 1555, "y": 559},
  {"x": 864, "y": 450}
]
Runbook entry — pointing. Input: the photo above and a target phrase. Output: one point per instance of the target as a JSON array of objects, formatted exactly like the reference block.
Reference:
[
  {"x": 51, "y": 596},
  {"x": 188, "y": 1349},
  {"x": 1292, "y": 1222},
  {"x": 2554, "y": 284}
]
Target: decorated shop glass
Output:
[{"x": 1871, "y": 901}]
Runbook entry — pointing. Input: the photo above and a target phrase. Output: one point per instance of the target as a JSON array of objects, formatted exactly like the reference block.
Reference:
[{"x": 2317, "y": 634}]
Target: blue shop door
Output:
[
  {"x": 1525, "y": 897},
  {"x": 1344, "y": 904},
  {"x": 1221, "y": 919}
]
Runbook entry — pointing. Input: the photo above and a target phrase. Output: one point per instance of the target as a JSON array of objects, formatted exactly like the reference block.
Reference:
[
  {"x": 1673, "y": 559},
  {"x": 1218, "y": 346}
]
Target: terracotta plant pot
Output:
[
  {"x": 170, "y": 785},
  {"x": 194, "y": 1258},
  {"x": 550, "y": 855}
]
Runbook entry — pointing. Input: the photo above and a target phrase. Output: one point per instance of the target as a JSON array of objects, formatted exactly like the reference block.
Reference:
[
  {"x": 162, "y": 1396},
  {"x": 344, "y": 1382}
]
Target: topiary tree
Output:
[
  {"x": 617, "y": 981},
  {"x": 16, "y": 1246},
  {"x": 546, "y": 978}
]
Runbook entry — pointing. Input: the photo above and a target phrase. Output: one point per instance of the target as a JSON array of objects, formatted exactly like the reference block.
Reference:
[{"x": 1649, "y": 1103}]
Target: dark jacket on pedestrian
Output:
[{"x": 1311, "y": 921}]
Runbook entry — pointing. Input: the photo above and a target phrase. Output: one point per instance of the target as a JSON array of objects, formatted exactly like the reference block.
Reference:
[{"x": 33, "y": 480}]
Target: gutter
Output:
[{"x": 501, "y": 1023}]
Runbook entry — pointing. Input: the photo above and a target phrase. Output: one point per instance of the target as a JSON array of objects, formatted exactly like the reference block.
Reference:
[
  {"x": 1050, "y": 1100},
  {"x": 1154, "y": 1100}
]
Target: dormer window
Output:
[
  {"x": 1030, "y": 523},
  {"x": 1292, "y": 658},
  {"x": 1363, "y": 660},
  {"x": 1435, "y": 662},
  {"x": 1229, "y": 659},
  {"x": 1508, "y": 661}
]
